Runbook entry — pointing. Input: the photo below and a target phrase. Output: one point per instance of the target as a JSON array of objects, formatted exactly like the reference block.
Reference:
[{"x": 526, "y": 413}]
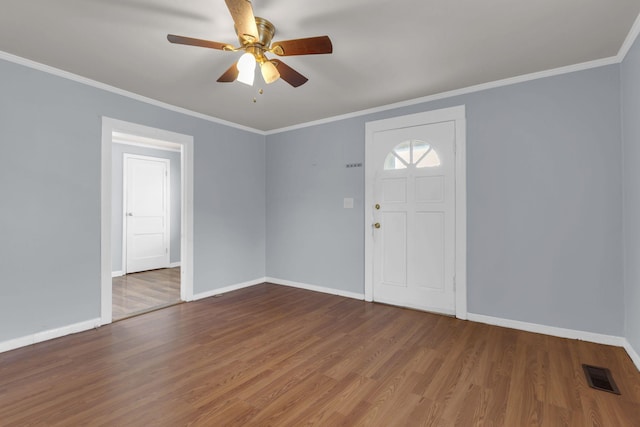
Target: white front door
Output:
[
  {"x": 146, "y": 218},
  {"x": 412, "y": 167}
]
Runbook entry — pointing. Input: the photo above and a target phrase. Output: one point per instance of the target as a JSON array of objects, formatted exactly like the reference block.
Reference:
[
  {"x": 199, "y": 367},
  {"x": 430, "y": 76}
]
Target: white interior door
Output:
[
  {"x": 414, "y": 216},
  {"x": 146, "y": 210}
]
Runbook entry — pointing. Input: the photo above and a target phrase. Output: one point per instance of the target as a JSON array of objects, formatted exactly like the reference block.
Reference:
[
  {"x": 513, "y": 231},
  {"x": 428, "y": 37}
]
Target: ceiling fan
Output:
[{"x": 255, "y": 36}]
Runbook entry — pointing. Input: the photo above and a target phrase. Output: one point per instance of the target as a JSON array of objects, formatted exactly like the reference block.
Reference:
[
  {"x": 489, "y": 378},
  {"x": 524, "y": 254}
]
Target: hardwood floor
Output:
[
  {"x": 137, "y": 293},
  {"x": 272, "y": 355}
]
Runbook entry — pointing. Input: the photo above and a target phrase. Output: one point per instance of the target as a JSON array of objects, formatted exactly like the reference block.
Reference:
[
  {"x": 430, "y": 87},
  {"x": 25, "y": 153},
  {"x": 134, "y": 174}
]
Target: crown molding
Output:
[
  {"x": 96, "y": 84},
  {"x": 628, "y": 42},
  {"x": 457, "y": 92}
]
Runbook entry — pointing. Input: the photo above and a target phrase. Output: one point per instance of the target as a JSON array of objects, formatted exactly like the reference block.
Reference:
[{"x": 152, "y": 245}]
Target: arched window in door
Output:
[{"x": 413, "y": 153}]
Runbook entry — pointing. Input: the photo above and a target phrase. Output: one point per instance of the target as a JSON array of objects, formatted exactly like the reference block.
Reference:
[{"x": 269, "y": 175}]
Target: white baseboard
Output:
[
  {"x": 315, "y": 288},
  {"x": 94, "y": 323},
  {"x": 507, "y": 323},
  {"x": 549, "y": 330},
  {"x": 633, "y": 354},
  {"x": 229, "y": 288},
  {"x": 282, "y": 282},
  {"x": 49, "y": 335},
  {"x": 174, "y": 264},
  {"x": 16, "y": 343}
]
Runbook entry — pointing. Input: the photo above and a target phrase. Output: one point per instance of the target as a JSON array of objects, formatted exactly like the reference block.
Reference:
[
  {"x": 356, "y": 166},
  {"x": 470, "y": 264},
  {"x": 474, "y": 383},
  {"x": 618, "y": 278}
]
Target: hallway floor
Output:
[{"x": 145, "y": 291}]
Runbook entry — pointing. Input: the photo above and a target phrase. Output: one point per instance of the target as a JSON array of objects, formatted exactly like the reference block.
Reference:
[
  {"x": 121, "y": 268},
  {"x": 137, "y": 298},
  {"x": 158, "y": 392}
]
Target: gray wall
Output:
[
  {"x": 544, "y": 201},
  {"x": 175, "y": 194},
  {"x": 50, "y": 131},
  {"x": 311, "y": 238},
  {"x": 631, "y": 137}
]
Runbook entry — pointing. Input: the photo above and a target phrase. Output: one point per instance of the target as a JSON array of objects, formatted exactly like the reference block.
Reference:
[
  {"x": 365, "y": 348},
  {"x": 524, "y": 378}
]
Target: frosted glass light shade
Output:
[
  {"x": 269, "y": 72},
  {"x": 246, "y": 69}
]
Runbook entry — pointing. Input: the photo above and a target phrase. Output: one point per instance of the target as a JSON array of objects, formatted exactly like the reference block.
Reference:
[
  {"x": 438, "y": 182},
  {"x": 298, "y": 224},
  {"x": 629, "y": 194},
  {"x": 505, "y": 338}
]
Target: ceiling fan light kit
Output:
[
  {"x": 255, "y": 35},
  {"x": 246, "y": 69},
  {"x": 269, "y": 72}
]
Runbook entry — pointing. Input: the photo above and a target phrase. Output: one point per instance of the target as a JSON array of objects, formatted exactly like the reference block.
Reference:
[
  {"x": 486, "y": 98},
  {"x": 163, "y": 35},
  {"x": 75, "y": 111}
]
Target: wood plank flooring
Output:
[
  {"x": 272, "y": 355},
  {"x": 137, "y": 293}
]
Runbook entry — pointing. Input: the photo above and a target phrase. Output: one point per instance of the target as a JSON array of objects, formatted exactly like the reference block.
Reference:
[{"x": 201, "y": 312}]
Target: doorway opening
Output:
[
  {"x": 147, "y": 219},
  {"x": 146, "y": 210}
]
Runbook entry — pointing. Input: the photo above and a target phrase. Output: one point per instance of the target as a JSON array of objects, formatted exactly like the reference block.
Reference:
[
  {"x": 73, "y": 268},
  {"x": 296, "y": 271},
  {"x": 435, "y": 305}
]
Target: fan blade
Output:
[
  {"x": 288, "y": 74},
  {"x": 198, "y": 42},
  {"x": 242, "y": 14},
  {"x": 309, "y": 46},
  {"x": 230, "y": 75}
]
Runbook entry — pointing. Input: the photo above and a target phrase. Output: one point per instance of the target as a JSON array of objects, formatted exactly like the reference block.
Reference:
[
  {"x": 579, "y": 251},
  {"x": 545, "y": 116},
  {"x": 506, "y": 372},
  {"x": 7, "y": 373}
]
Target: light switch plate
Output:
[{"x": 348, "y": 203}]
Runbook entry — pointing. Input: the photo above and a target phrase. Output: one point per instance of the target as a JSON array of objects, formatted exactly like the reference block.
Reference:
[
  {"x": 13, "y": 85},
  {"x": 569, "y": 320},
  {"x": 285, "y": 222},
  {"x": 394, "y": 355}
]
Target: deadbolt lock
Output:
[{"x": 377, "y": 206}]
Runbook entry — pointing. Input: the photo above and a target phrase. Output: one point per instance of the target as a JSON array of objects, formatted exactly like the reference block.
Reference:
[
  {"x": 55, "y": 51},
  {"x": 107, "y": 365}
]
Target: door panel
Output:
[
  {"x": 430, "y": 189},
  {"x": 429, "y": 250},
  {"x": 147, "y": 214},
  {"x": 394, "y": 248},
  {"x": 394, "y": 190}
]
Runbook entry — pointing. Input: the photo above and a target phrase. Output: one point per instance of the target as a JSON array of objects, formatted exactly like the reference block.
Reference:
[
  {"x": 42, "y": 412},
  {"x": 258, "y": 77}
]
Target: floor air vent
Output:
[{"x": 600, "y": 379}]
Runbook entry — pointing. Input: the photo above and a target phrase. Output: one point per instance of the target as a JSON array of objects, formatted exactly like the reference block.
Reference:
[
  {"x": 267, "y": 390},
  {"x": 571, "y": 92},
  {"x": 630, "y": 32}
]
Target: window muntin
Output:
[{"x": 412, "y": 153}]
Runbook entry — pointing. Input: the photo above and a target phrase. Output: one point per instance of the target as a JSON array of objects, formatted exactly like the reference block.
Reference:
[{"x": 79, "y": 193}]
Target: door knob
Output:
[
  {"x": 129, "y": 214},
  {"x": 376, "y": 225},
  {"x": 377, "y": 206}
]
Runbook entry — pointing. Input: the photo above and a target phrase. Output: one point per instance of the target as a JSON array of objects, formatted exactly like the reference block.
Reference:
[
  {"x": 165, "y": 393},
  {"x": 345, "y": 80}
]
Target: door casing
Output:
[{"x": 457, "y": 115}]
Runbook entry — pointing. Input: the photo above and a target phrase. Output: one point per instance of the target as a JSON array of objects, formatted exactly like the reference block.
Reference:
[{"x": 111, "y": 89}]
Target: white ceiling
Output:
[{"x": 385, "y": 51}]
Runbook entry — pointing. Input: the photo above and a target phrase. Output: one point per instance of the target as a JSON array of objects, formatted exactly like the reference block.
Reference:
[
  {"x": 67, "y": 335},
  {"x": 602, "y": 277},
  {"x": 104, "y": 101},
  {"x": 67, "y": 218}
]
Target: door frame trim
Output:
[
  {"x": 125, "y": 208},
  {"x": 109, "y": 126},
  {"x": 458, "y": 115}
]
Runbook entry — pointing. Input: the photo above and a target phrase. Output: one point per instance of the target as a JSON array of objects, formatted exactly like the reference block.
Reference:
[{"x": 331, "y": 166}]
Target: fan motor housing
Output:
[{"x": 266, "y": 31}]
